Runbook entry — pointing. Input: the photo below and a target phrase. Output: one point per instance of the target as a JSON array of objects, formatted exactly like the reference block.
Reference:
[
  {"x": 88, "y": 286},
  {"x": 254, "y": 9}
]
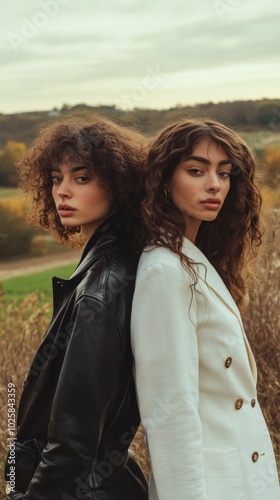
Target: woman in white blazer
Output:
[{"x": 194, "y": 370}]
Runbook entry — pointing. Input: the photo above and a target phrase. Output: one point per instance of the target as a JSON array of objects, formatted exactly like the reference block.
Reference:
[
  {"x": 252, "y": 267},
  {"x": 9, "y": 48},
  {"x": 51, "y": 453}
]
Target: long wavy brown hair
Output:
[
  {"x": 115, "y": 154},
  {"x": 231, "y": 240}
]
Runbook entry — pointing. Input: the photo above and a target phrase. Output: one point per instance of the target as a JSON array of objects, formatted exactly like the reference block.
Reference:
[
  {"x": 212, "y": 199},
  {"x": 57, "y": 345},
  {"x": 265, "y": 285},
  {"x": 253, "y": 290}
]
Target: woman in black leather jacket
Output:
[{"x": 78, "y": 412}]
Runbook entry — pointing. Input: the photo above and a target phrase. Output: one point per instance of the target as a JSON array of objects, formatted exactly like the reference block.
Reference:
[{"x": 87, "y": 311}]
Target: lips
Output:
[
  {"x": 65, "y": 210},
  {"x": 211, "y": 203}
]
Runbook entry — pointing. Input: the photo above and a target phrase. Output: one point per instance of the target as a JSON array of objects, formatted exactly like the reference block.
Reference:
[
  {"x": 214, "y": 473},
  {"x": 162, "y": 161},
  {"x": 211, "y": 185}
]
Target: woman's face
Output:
[
  {"x": 200, "y": 184},
  {"x": 79, "y": 198}
]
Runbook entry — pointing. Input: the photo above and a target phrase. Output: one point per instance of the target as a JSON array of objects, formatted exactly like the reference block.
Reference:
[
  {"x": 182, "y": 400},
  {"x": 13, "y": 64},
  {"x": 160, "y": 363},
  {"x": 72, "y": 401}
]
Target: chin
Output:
[{"x": 210, "y": 218}]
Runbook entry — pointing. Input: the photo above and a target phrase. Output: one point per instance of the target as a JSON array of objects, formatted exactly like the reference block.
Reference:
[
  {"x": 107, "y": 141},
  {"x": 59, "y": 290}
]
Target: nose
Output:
[
  {"x": 213, "y": 185},
  {"x": 63, "y": 190}
]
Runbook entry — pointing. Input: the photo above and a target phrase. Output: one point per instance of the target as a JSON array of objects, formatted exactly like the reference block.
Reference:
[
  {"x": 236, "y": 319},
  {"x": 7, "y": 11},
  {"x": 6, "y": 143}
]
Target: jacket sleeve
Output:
[
  {"x": 165, "y": 348},
  {"x": 84, "y": 391}
]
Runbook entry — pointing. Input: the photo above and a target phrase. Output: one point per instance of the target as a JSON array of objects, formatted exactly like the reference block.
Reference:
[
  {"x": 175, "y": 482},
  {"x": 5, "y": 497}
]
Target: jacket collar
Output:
[
  {"x": 209, "y": 275},
  {"x": 97, "y": 245}
]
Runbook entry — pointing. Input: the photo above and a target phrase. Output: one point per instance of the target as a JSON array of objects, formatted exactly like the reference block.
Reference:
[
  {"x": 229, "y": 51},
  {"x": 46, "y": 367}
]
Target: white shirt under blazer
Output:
[{"x": 196, "y": 384}]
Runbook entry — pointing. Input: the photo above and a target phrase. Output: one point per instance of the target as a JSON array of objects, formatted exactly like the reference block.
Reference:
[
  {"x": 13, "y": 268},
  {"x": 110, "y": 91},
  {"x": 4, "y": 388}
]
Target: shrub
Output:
[
  {"x": 15, "y": 236},
  {"x": 38, "y": 245},
  {"x": 8, "y": 158}
]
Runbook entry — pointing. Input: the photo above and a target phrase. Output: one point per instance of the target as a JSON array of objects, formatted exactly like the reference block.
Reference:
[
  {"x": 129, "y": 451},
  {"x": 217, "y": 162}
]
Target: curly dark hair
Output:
[
  {"x": 231, "y": 240},
  {"x": 115, "y": 154}
]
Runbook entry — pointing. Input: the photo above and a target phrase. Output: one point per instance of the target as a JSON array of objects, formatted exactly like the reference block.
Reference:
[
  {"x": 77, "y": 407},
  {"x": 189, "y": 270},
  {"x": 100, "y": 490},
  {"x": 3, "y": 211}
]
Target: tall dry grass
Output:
[
  {"x": 262, "y": 324},
  {"x": 23, "y": 325}
]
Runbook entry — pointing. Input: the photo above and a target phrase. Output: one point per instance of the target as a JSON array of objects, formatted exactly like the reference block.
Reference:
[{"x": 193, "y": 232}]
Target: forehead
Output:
[
  {"x": 207, "y": 148},
  {"x": 67, "y": 163}
]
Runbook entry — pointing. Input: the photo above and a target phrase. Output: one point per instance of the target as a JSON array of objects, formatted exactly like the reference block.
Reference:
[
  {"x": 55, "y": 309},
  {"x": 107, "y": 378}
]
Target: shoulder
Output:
[
  {"x": 111, "y": 274},
  {"x": 160, "y": 268},
  {"x": 153, "y": 256},
  {"x": 157, "y": 254}
]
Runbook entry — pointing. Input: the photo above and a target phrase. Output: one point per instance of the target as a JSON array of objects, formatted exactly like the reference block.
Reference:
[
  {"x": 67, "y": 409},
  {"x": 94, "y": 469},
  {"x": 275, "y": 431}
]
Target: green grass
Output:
[
  {"x": 8, "y": 192},
  {"x": 41, "y": 283}
]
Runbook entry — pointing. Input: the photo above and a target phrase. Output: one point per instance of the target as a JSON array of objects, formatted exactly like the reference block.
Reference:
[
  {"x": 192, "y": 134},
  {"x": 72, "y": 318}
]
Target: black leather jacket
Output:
[{"x": 79, "y": 399}]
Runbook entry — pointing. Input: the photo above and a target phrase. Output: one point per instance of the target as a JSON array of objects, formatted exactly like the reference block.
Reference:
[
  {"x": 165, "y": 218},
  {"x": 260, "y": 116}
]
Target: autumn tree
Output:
[
  {"x": 8, "y": 158},
  {"x": 15, "y": 236}
]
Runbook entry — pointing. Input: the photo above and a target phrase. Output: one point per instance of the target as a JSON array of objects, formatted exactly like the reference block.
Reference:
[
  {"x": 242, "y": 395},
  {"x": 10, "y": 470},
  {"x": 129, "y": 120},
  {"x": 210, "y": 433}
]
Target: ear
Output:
[{"x": 166, "y": 190}]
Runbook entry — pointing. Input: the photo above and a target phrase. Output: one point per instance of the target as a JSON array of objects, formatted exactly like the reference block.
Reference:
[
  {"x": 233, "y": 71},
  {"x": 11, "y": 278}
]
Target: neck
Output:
[{"x": 191, "y": 231}]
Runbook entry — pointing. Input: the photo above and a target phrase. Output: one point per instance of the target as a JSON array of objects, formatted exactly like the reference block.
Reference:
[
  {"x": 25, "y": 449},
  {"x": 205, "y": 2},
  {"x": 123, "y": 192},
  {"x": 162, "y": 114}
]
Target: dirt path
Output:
[{"x": 36, "y": 264}]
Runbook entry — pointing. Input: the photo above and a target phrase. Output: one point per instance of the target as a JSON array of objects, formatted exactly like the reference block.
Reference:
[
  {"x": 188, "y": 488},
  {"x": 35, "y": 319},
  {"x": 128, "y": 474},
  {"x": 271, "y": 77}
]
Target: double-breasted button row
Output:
[{"x": 239, "y": 403}]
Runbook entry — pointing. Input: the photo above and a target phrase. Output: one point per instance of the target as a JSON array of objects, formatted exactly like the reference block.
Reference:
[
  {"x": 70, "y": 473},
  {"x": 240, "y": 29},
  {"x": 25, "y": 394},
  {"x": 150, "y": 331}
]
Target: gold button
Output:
[
  {"x": 253, "y": 403},
  {"x": 228, "y": 362},
  {"x": 255, "y": 456},
  {"x": 238, "y": 404}
]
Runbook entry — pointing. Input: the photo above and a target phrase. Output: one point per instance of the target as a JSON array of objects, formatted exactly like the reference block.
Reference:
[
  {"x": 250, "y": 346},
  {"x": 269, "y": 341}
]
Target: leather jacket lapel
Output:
[{"x": 95, "y": 247}]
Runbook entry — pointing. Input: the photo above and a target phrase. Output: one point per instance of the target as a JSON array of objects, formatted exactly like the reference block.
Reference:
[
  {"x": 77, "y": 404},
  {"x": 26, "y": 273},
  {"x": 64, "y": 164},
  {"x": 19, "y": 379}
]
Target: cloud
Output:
[
  {"x": 194, "y": 47},
  {"x": 67, "y": 49}
]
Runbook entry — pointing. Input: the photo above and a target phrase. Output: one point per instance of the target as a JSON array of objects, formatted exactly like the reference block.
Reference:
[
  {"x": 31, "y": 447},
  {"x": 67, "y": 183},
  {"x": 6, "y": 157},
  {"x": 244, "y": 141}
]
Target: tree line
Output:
[
  {"x": 244, "y": 115},
  {"x": 257, "y": 121}
]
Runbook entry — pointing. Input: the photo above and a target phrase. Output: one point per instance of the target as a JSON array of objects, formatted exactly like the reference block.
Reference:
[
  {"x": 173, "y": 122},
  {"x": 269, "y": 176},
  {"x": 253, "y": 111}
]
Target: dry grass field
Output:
[
  {"x": 23, "y": 324},
  {"x": 262, "y": 324}
]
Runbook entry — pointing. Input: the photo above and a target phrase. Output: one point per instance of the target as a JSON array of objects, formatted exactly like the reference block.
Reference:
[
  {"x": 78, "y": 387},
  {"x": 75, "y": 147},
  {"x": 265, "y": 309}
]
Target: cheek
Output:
[
  {"x": 184, "y": 193},
  {"x": 53, "y": 191},
  {"x": 101, "y": 198},
  {"x": 226, "y": 190},
  {"x": 105, "y": 197},
  {"x": 179, "y": 187}
]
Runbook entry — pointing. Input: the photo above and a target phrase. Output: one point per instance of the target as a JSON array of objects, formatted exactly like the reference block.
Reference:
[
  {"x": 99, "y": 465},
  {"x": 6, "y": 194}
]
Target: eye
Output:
[
  {"x": 195, "y": 171},
  {"x": 225, "y": 174},
  {"x": 82, "y": 179},
  {"x": 56, "y": 179}
]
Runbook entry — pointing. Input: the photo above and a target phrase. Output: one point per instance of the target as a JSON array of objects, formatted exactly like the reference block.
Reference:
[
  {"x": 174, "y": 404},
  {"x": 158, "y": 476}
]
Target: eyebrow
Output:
[
  {"x": 72, "y": 170},
  {"x": 200, "y": 159}
]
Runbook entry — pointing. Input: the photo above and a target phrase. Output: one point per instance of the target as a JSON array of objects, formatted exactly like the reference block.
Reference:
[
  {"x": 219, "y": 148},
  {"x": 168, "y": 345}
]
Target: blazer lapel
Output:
[{"x": 208, "y": 274}]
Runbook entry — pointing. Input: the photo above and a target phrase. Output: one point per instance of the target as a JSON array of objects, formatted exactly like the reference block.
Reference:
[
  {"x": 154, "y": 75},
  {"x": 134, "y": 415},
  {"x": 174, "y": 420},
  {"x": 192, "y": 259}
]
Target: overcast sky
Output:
[{"x": 137, "y": 53}]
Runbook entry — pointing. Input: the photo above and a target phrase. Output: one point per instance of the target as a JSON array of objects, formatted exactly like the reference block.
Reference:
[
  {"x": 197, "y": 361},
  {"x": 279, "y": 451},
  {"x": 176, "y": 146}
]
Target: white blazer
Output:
[{"x": 196, "y": 384}]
